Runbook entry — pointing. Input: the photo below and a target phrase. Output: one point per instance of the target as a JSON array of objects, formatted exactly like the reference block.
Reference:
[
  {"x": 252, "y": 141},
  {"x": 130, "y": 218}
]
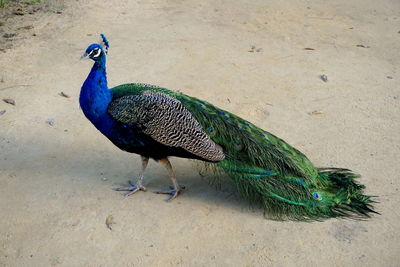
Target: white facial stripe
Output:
[
  {"x": 98, "y": 53},
  {"x": 90, "y": 53}
]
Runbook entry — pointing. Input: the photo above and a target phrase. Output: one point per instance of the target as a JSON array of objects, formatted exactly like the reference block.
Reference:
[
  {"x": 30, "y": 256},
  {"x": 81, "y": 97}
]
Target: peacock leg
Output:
[
  {"x": 138, "y": 185},
  {"x": 176, "y": 188}
]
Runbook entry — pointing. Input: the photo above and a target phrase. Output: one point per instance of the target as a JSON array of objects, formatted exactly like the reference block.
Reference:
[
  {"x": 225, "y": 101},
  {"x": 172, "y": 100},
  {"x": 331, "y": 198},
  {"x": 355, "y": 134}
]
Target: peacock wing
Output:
[{"x": 167, "y": 121}]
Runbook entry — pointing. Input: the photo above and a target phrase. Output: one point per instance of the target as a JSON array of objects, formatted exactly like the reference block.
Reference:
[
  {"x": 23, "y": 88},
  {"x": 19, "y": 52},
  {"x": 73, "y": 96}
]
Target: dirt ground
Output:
[{"x": 249, "y": 57}]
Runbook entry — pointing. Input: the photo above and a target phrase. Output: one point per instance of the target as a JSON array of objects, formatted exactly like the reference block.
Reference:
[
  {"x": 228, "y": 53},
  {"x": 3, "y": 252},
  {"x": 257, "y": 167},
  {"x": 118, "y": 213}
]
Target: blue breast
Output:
[{"x": 95, "y": 98}]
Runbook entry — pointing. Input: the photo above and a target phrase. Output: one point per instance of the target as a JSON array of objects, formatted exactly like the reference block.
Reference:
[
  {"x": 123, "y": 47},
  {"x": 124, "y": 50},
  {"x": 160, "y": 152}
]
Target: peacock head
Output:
[
  {"x": 97, "y": 51},
  {"x": 94, "y": 51}
]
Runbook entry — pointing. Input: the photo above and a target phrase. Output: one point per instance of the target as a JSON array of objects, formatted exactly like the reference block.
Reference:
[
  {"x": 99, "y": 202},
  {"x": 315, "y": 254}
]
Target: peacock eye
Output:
[
  {"x": 317, "y": 196},
  {"x": 95, "y": 52}
]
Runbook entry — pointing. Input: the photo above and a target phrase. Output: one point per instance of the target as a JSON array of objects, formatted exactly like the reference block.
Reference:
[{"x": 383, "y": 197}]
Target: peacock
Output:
[{"x": 158, "y": 123}]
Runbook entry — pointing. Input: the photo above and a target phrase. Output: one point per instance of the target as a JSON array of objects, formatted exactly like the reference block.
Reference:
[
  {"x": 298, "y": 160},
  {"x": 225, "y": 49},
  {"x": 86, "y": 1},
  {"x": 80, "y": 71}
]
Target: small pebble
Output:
[
  {"x": 363, "y": 46},
  {"x": 309, "y": 48},
  {"x": 389, "y": 77},
  {"x": 64, "y": 95},
  {"x": 323, "y": 77},
  {"x": 28, "y": 27},
  {"x": 315, "y": 112},
  {"x": 37, "y": 9},
  {"x": 50, "y": 122},
  {"x": 9, "y": 101},
  {"x": 109, "y": 221},
  {"x": 252, "y": 49},
  {"x": 2, "y": 112},
  {"x": 9, "y": 35},
  {"x": 19, "y": 12}
]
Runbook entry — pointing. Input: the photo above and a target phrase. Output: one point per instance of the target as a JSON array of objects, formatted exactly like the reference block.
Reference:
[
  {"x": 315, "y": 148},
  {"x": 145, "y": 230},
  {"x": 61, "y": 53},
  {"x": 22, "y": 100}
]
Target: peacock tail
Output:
[{"x": 268, "y": 171}]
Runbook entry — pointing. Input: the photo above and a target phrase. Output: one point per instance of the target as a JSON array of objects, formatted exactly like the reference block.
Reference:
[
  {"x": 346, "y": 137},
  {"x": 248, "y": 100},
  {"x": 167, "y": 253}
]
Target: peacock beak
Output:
[{"x": 85, "y": 55}]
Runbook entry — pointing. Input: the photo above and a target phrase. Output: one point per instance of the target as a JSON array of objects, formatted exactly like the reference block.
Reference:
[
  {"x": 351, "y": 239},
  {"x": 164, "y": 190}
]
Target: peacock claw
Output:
[
  {"x": 173, "y": 192},
  {"x": 132, "y": 189}
]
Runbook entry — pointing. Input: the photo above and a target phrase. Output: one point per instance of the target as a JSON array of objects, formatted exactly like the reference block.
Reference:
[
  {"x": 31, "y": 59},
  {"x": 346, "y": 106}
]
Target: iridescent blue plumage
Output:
[{"x": 95, "y": 97}]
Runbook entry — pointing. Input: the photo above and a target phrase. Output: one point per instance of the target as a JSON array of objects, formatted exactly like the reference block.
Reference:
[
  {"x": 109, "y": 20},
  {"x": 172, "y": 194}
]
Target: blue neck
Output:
[{"x": 95, "y": 97}]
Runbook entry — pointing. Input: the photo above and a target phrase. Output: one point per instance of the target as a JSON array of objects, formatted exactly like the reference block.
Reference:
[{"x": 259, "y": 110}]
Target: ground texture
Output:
[{"x": 248, "y": 57}]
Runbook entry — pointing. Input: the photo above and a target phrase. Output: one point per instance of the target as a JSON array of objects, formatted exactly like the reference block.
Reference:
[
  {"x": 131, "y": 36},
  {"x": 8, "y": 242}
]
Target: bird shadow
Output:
[{"x": 111, "y": 168}]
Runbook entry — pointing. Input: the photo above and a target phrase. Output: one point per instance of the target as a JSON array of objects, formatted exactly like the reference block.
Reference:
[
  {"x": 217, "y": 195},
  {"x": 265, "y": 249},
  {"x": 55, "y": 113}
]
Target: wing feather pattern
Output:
[{"x": 167, "y": 121}]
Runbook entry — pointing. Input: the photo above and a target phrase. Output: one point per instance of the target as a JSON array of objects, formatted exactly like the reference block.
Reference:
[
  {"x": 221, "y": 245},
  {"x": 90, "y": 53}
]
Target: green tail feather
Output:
[
  {"x": 268, "y": 171},
  {"x": 294, "y": 199}
]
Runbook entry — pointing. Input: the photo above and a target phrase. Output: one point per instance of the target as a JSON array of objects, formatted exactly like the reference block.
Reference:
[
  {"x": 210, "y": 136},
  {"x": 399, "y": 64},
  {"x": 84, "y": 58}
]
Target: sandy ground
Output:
[{"x": 56, "y": 180}]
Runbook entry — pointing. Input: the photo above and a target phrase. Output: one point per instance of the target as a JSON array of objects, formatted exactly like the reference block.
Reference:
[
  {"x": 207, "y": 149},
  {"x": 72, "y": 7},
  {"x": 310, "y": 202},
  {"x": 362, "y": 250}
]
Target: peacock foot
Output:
[
  {"x": 131, "y": 189},
  {"x": 172, "y": 191}
]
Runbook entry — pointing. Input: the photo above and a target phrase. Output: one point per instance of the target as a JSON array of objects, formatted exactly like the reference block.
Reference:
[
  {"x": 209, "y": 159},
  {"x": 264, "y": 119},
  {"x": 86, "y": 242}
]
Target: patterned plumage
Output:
[
  {"x": 176, "y": 127},
  {"x": 157, "y": 123}
]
